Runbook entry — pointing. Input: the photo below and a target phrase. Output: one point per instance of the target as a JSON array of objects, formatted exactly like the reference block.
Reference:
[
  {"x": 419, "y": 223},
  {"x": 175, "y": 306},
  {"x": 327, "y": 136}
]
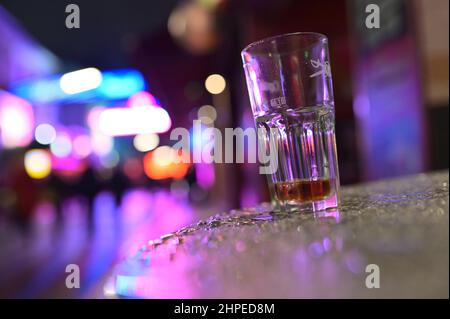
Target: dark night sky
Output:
[{"x": 108, "y": 27}]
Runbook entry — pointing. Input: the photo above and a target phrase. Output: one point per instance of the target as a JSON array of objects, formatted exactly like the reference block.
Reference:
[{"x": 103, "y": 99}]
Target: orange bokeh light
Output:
[{"x": 160, "y": 164}]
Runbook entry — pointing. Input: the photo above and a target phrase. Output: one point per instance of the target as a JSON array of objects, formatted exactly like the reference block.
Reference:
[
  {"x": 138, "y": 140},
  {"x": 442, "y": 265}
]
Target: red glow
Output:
[{"x": 133, "y": 169}]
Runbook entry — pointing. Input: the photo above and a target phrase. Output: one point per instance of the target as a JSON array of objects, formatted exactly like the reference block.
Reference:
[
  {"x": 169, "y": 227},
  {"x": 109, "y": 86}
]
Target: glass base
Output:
[{"x": 330, "y": 203}]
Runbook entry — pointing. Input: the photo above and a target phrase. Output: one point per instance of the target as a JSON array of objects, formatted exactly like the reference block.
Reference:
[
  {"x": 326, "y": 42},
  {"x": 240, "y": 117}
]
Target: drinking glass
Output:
[{"x": 289, "y": 83}]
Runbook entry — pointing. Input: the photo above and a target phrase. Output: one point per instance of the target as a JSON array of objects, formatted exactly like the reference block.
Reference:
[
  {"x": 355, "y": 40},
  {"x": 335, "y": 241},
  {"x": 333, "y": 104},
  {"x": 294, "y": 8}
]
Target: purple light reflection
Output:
[
  {"x": 162, "y": 214},
  {"x": 173, "y": 282},
  {"x": 204, "y": 172}
]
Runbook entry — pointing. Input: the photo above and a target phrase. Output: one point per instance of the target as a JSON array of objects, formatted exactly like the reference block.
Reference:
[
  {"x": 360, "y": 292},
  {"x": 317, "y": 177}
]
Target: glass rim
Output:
[{"x": 263, "y": 41}]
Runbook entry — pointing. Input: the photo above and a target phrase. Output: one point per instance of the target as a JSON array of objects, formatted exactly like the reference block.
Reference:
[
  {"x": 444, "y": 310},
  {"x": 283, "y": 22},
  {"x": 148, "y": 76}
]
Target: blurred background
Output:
[{"x": 86, "y": 114}]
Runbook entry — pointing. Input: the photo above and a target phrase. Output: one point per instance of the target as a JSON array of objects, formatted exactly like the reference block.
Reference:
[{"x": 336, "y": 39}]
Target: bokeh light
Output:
[
  {"x": 101, "y": 143},
  {"x": 38, "y": 163},
  {"x": 177, "y": 24},
  {"x": 163, "y": 156},
  {"x": 16, "y": 121},
  {"x": 134, "y": 120},
  {"x": 215, "y": 84},
  {"x": 93, "y": 115},
  {"x": 45, "y": 134},
  {"x": 110, "y": 160},
  {"x": 164, "y": 163},
  {"x": 80, "y": 81},
  {"x": 61, "y": 146},
  {"x": 82, "y": 146},
  {"x": 142, "y": 98},
  {"x": 146, "y": 142},
  {"x": 192, "y": 24},
  {"x": 132, "y": 168},
  {"x": 207, "y": 114},
  {"x": 120, "y": 84},
  {"x": 68, "y": 166}
]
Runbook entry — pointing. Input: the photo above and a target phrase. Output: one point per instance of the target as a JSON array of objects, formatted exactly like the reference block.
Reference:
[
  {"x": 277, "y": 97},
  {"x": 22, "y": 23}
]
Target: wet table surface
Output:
[{"x": 397, "y": 228}]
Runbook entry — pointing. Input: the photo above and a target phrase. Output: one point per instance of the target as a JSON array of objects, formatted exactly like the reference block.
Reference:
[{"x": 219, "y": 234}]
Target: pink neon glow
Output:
[
  {"x": 69, "y": 166},
  {"x": 142, "y": 98},
  {"x": 205, "y": 175},
  {"x": 134, "y": 120},
  {"x": 133, "y": 168},
  {"x": 16, "y": 121},
  {"x": 82, "y": 146}
]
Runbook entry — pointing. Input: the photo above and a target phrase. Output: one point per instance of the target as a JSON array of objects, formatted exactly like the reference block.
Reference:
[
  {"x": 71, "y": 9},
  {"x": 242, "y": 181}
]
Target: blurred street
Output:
[{"x": 33, "y": 265}]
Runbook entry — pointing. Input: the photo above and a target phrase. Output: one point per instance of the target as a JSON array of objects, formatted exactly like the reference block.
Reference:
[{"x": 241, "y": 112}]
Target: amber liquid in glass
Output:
[
  {"x": 307, "y": 170},
  {"x": 303, "y": 190}
]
